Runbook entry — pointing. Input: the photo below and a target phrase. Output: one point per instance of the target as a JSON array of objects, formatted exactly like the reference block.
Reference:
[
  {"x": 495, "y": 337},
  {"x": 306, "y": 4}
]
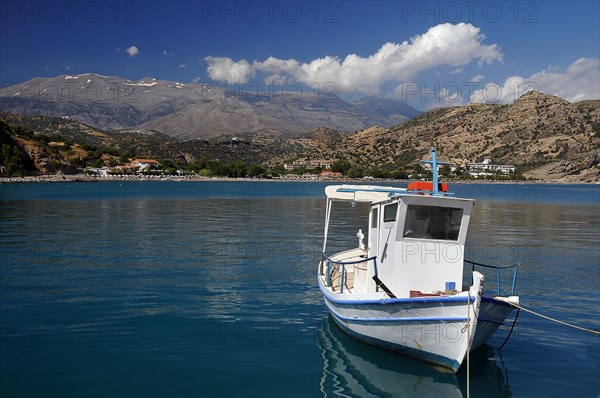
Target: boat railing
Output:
[
  {"x": 498, "y": 271},
  {"x": 330, "y": 263}
]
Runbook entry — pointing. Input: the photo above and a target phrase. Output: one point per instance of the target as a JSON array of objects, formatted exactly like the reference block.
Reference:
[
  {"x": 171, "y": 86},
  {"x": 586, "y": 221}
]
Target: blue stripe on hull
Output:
[
  {"x": 411, "y": 352},
  {"x": 397, "y": 320}
]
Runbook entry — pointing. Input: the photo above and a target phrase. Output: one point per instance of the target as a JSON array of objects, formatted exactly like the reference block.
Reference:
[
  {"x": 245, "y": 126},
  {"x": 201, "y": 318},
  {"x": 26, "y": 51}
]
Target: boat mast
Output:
[
  {"x": 434, "y": 165},
  {"x": 327, "y": 214}
]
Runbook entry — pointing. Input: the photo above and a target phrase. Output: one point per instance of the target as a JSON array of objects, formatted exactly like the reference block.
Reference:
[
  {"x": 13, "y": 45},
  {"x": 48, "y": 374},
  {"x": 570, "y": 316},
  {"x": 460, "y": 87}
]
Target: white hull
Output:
[
  {"x": 492, "y": 314},
  {"x": 350, "y": 370},
  {"x": 351, "y": 373},
  {"x": 434, "y": 329}
]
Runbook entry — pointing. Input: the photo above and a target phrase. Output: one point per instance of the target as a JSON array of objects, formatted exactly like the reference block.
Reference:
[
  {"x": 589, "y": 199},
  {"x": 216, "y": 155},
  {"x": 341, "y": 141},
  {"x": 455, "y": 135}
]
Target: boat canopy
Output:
[{"x": 361, "y": 193}]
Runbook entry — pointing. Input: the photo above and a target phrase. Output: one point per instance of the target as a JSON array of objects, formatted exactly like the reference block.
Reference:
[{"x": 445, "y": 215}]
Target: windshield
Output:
[{"x": 432, "y": 222}]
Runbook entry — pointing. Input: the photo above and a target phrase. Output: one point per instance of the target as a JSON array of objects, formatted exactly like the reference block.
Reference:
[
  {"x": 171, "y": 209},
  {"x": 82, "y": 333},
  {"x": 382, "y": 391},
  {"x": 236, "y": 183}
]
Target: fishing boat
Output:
[{"x": 403, "y": 290}]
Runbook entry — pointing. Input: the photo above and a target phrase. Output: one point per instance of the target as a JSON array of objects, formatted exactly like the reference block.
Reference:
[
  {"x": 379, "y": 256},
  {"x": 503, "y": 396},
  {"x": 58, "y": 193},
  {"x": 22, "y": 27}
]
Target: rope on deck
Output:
[{"x": 547, "y": 317}]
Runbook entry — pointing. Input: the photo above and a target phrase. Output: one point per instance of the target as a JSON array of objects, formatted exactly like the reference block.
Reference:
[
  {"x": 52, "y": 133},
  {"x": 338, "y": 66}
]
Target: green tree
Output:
[
  {"x": 379, "y": 173},
  {"x": 13, "y": 161},
  {"x": 399, "y": 174},
  {"x": 596, "y": 129},
  {"x": 237, "y": 169},
  {"x": 299, "y": 171},
  {"x": 278, "y": 171},
  {"x": 256, "y": 170},
  {"x": 204, "y": 173},
  {"x": 355, "y": 172},
  {"x": 444, "y": 171},
  {"x": 87, "y": 147},
  {"x": 341, "y": 166},
  {"x": 78, "y": 162}
]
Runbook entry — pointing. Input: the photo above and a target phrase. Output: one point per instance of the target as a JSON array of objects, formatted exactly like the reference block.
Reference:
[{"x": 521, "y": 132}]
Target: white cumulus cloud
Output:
[
  {"x": 226, "y": 70},
  {"x": 133, "y": 51},
  {"x": 580, "y": 81},
  {"x": 445, "y": 44}
]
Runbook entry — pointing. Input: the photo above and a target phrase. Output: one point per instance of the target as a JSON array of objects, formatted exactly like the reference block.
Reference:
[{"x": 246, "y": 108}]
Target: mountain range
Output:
[
  {"x": 197, "y": 110},
  {"x": 544, "y": 136}
]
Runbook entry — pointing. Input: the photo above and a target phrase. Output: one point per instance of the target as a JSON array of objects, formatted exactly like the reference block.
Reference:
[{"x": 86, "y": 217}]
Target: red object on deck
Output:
[{"x": 426, "y": 186}]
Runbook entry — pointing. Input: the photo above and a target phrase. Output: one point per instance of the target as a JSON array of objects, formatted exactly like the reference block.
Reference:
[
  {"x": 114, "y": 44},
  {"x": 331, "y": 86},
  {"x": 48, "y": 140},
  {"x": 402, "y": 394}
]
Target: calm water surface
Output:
[{"x": 208, "y": 289}]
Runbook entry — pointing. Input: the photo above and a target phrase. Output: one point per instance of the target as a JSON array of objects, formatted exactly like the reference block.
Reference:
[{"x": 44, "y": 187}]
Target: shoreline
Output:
[{"x": 139, "y": 178}]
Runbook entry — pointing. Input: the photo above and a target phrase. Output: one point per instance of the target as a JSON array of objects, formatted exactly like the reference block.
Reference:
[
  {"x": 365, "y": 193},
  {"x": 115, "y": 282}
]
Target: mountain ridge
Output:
[
  {"x": 544, "y": 136},
  {"x": 194, "y": 110}
]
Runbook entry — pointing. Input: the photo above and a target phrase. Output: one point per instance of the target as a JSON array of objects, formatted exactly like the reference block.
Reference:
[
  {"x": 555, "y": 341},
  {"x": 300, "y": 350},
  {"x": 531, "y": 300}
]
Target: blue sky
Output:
[{"x": 426, "y": 53}]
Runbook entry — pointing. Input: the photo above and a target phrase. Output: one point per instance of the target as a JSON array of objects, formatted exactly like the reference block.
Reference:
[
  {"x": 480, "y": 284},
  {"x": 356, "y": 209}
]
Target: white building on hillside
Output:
[
  {"x": 308, "y": 164},
  {"x": 144, "y": 164},
  {"x": 487, "y": 168}
]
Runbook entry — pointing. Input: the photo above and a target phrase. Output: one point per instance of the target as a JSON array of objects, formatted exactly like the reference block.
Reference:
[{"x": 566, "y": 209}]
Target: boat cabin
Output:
[{"x": 415, "y": 243}]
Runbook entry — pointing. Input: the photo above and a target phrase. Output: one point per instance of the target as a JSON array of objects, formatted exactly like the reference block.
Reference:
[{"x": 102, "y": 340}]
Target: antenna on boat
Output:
[{"x": 434, "y": 165}]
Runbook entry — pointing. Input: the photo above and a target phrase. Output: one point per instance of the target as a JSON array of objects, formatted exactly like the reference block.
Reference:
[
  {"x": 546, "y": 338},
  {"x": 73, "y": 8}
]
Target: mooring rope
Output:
[
  {"x": 511, "y": 329},
  {"x": 469, "y": 344},
  {"x": 547, "y": 317}
]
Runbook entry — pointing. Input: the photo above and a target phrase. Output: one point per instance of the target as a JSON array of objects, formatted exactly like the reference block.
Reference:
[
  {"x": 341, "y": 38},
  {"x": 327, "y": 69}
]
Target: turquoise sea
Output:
[{"x": 206, "y": 289}]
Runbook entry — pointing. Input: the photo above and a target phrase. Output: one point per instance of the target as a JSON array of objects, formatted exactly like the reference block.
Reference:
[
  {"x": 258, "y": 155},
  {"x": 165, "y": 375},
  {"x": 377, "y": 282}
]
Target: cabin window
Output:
[
  {"x": 374, "y": 217},
  {"x": 432, "y": 222},
  {"x": 389, "y": 212}
]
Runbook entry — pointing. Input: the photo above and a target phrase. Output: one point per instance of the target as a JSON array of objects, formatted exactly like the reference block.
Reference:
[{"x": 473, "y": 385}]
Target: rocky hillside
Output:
[
  {"x": 195, "y": 110},
  {"x": 50, "y": 145},
  {"x": 23, "y": 153},
  {"x": 546, "y": 136}
]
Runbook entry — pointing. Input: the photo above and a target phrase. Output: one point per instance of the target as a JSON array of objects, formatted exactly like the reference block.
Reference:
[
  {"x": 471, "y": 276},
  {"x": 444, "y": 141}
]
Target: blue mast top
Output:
[{"x": 434, "y": 165}]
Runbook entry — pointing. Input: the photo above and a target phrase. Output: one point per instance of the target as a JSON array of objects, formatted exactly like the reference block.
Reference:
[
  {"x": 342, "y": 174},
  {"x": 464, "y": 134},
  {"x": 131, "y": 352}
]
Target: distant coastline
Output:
[{"x": 58, "y": 178}]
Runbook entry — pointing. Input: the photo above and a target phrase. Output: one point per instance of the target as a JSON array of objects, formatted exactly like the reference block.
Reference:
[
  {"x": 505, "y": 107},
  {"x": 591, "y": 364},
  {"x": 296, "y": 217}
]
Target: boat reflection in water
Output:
[{"x": 355, "y": 369}]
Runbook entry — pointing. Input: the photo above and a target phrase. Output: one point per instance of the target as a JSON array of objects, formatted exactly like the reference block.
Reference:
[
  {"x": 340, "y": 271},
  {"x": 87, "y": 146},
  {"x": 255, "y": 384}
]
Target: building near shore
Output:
[
  {"x": 487, "y": 168},
  {"x": 98, "y": 171},
  {"x": 326, "y": 174},
  {"x": 144, "y": 164},
  {"x": 308, "y": 164}
]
